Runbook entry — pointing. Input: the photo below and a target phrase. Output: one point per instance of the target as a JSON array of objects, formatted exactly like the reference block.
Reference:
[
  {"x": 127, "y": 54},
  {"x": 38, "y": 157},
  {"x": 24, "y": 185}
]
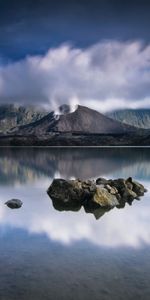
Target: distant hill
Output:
[
  {"x": 135, "y": 117},
  {"x": 83, "y": 120},
  {"x": 13, "y": 115}
]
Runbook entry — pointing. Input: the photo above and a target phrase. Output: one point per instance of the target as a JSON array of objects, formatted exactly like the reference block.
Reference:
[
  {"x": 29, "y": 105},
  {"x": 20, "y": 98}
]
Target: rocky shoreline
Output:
[
  {"x": 95, "y": 196},
  {"x": 78, "y": 139}
]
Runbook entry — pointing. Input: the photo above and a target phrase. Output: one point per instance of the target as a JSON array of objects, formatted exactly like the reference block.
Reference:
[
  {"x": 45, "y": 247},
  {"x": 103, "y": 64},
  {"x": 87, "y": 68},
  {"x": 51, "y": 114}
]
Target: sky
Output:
[{"x": 94, "y": 53}]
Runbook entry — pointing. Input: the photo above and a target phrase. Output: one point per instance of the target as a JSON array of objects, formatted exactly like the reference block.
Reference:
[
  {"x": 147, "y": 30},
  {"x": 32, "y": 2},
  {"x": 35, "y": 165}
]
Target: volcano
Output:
[{"x": 82, "y": 120}]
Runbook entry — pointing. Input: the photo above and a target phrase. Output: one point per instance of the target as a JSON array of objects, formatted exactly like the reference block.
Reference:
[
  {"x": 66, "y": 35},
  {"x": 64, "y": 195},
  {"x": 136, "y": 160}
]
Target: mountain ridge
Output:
[
  {"x": 82, "y": 127},
  {"x": 134, "y": 117},
  {"x": 12, "y": 115}
]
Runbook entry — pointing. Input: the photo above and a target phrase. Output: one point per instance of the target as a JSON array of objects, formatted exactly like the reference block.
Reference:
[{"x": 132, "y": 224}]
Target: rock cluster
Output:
[{"x": 92, "y": 195}]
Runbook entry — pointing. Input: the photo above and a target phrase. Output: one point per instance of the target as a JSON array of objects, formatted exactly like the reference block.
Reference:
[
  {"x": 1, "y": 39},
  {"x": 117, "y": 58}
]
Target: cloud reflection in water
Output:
[{"x": 119, "y": 227}]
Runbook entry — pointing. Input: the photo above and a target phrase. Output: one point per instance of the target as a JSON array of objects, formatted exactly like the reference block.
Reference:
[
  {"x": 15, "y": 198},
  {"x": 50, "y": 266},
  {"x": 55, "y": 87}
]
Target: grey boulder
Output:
[{"x": 14, "y": 203}]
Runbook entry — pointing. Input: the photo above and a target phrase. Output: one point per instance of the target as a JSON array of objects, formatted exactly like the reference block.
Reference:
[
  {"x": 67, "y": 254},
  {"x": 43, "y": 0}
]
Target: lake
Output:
[{"x": 47, "y": 254}]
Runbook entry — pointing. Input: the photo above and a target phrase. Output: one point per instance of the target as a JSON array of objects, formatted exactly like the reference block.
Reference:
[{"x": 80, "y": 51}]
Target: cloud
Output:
[{"x": 108, "y": 75}]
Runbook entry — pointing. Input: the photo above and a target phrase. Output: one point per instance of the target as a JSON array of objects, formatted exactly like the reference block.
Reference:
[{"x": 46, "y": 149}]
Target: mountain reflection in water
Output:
[
  {"x": 27, "y": 173},
  {"x": 22, "y": 165}
]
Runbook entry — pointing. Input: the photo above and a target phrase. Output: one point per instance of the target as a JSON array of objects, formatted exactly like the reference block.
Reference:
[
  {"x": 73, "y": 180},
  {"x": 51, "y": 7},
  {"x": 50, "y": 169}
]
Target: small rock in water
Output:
[{"x": 14, "y": 203}]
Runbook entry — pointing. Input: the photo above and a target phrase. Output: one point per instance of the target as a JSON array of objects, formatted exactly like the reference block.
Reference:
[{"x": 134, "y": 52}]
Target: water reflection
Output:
[
  {"x": 98, "y": 212},
  {"x": 20, "y": 165},
  {"x": 27, "y": 173}
]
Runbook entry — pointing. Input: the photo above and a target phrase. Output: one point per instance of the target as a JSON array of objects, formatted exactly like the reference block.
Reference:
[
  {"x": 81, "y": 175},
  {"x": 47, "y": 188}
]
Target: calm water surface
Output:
[{"x": 47, "y": 254}]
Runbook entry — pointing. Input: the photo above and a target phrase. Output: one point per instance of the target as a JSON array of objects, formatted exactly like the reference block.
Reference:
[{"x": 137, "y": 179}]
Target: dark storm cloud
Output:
[{"x": 31, "y": 27}]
